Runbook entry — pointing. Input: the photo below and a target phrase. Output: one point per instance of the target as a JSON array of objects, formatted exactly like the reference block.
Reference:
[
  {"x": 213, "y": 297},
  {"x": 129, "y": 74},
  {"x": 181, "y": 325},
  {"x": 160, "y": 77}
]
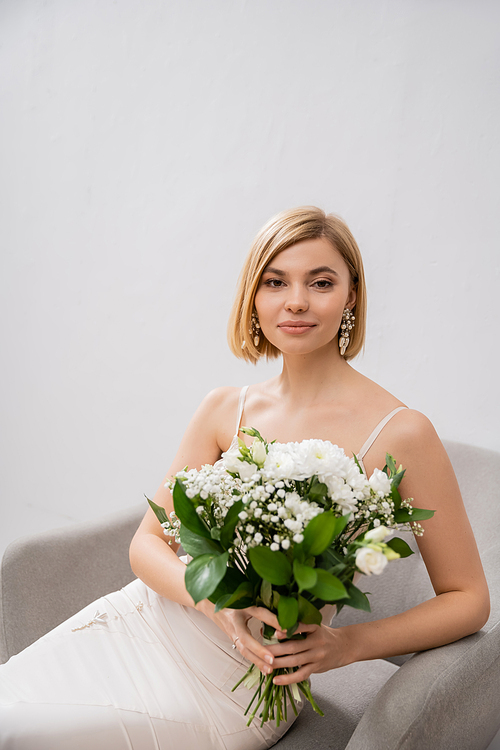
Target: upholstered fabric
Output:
[
  {"x": 443, "y": 698},
  {"x": 45, "y": 578}
]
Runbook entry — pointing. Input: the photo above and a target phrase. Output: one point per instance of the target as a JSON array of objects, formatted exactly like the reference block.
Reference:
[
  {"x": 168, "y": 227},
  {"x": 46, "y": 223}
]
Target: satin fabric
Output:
[{"x": 132, "y": 671}]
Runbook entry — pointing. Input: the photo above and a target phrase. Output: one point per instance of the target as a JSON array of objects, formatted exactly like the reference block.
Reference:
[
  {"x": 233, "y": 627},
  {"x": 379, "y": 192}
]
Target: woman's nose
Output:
[{"x": 297, "y": 301}]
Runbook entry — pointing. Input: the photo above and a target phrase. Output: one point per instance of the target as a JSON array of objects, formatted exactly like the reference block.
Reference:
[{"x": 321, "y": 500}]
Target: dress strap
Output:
[
  {"x": 376, "y": 432},
  {"x": 241, "y": 404}
]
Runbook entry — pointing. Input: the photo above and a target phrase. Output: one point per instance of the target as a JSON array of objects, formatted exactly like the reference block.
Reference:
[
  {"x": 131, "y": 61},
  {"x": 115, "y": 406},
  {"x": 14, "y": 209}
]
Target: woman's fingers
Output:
[
  {"x": 303, "y": 673},
  {"x": 255, "y": 652},
  {"x": 263, "y": 614},
  {"x": 247, "y": 645},
  {"x": 302, "y": 628}
]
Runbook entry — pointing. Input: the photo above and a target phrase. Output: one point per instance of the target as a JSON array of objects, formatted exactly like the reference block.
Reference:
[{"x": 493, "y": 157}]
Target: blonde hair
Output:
[{"x": 282, "y": 231}]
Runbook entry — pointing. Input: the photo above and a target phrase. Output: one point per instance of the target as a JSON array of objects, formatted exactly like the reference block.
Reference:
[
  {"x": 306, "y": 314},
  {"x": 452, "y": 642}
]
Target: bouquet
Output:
[{"x": 286, "y": 526}]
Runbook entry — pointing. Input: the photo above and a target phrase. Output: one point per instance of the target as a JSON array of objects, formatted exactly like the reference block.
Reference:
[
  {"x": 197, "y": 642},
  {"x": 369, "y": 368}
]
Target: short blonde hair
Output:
[{"x": 282, "y": 231}]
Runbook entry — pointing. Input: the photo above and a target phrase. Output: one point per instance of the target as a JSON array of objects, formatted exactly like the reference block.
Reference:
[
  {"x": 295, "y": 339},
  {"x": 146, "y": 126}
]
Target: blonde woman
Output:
[{"x": 144, "y": 668}]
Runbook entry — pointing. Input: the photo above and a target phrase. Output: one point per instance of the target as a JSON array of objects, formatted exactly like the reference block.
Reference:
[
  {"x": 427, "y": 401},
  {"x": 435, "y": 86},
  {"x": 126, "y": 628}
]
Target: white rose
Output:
[
  {"x": 378, "y": 535},
  {"x": 370, "y": 561},
  {"x": 380, "y": 483}
]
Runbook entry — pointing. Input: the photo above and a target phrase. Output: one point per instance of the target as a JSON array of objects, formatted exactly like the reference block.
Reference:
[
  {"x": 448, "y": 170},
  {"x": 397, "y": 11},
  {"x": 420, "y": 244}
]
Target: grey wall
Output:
[{"x": 143, "y": 144}]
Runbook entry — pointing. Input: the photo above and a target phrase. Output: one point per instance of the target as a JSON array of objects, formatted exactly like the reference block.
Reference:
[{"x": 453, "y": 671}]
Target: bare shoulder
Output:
[
  {"x": 219, "y": 410},
  {"x": 221, "y": 398},
  {"x": 413, "y": 435},
  {"x": 412, "y": 439}
]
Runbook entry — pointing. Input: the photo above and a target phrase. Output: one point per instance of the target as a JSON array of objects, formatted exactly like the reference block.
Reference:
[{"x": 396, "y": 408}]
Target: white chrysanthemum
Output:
[{"x": 279, "y": 463}]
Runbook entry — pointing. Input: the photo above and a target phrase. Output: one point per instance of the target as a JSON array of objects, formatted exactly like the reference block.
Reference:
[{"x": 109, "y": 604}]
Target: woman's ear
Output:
[{"x": 351, "y": 298}]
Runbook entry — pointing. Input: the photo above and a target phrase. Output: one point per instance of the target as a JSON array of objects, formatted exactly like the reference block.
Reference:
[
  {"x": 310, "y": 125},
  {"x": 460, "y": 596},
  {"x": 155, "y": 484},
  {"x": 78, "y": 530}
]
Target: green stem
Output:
[
  {"x": 268, "y": 681},
  {"x": 292, "y": 702},
  {"x": 249, "y": 670},
  {"x": 304, "y": 686}
]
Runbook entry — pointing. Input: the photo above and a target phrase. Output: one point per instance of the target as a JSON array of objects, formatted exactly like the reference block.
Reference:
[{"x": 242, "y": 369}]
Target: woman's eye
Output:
[
  {"x": 274, "y": 283},
  {"x": 323, "y": 283}
]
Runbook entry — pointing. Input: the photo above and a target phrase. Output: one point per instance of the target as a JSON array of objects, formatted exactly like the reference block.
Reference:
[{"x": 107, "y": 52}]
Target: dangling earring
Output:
[
  {"x": 345, "y": 330},
  {"x": 254, "y": 329}
]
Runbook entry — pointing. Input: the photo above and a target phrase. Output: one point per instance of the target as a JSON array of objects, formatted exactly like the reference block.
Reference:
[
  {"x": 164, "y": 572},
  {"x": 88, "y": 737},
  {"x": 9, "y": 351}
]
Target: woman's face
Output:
[{"x": 301, "y": 296}]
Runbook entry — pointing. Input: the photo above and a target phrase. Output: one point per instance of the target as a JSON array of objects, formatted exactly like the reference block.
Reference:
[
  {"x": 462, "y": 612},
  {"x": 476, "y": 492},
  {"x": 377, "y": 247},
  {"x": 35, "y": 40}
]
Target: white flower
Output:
[
  {"x": 380, "y": 483},
  {"x": 378, "y": 535},
  {"x": 275, "y": 547},
  {"x": 259, "y": 453},
  {"x": 298, "y": 538},
  {"x": 285, "y": 543},
  {"x": 258, "y": 538},
  {"x": 370, "y": 561},
  {"x": 279, "y": 463},
  {"x": 232, "y": 463}
]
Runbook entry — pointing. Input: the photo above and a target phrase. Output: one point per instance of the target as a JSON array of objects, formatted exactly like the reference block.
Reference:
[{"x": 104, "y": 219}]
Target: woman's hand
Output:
[
  {"x": 323, "y": 648},
  {"x": 234, "y": 622}
]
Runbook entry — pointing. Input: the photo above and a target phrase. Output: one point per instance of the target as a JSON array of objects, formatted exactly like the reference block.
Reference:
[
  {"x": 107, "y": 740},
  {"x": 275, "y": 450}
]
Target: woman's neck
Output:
[{"x": 307, "y": 379}]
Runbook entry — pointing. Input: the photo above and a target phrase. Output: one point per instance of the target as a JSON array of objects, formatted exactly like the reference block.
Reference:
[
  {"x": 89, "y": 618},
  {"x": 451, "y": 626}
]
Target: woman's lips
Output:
[{"x": 295, "y": 326}]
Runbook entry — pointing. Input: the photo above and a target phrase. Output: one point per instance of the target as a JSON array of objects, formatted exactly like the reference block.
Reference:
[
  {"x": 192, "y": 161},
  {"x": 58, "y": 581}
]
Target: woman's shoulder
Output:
[
  {"x": 222, "y": 396},
  {"x": 408, "y": 432}
]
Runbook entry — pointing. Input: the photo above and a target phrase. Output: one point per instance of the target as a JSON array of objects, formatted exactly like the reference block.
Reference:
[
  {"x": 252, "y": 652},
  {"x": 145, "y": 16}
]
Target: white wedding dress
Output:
[{"x": 132, "y": 671}]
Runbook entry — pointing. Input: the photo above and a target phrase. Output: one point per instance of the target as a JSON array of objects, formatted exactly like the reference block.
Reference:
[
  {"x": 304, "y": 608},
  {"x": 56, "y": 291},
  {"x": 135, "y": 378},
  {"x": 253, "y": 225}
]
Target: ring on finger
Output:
[{"x": 236, "y": 639}]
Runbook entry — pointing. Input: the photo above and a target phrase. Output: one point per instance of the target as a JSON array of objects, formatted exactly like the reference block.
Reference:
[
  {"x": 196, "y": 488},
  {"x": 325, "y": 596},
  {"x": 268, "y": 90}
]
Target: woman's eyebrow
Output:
[
  {"x": 313, "y": 272},
  {"x": 322, "y": 269},
  {"x": 275, "y": 271}
]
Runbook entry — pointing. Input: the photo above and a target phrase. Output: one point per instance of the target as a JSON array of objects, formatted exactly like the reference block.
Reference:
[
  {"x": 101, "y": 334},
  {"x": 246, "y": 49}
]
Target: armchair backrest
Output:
[{"x": 45, "y": 578}]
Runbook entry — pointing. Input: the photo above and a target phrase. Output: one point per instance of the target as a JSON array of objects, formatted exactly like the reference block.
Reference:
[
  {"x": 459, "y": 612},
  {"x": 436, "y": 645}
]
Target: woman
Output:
[{"x": 144, "y": 668}]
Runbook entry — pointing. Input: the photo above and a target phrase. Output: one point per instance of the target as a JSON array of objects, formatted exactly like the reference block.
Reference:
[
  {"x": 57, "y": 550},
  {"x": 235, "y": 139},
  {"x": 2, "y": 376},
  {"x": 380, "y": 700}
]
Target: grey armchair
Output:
[{"x": 447, "y": 697}]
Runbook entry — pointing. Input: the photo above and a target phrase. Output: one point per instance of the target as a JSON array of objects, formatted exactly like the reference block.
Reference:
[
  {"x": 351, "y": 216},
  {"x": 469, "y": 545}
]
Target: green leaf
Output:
[
  {"x": 317, "y": 491},
  {"x": 288, "y": 611},
  {"x": 266, "y": 593},
  {"x": 308, "y": 613},
  {"x": 321, "y": 531},
  {"x": 272, "y": 566},
  {"x": 396, "y": 479},
  {"x": 198, "y": 545},
  {"x": 400, "y": 546},
  {"x": 160, "y": 513},
  {"x": 230, "y": 521},
  {"x": 232, "y": 579},
  {"x": 204, "y": 573},
  {"x": 396, "y": 497},
  {"x": 391, "y": 464},
  {"x": 356, "y": 461},
  {"x": 418, "y": 514},
  {"x": 304, "y": 575},
  {"x": 328, "y": 587},
  {"x": 252, "y": 575},
  {"x": 356, "y": 598},
  {"x": 215, "y": 532},
  {"x": 245, "y": 589},
  {"x": 186, "y": 513}
]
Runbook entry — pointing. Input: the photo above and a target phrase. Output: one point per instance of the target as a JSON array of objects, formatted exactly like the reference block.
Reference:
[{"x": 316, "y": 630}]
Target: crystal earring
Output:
[
  {"x": 345, "y": 330},
  {"x": 254, "y": 329}
]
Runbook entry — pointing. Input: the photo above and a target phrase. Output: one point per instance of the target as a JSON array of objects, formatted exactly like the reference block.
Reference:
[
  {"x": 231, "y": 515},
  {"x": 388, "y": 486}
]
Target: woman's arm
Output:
[
  {"x": 155, "y": 562},
  {"x": 461, "y": 604}
]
